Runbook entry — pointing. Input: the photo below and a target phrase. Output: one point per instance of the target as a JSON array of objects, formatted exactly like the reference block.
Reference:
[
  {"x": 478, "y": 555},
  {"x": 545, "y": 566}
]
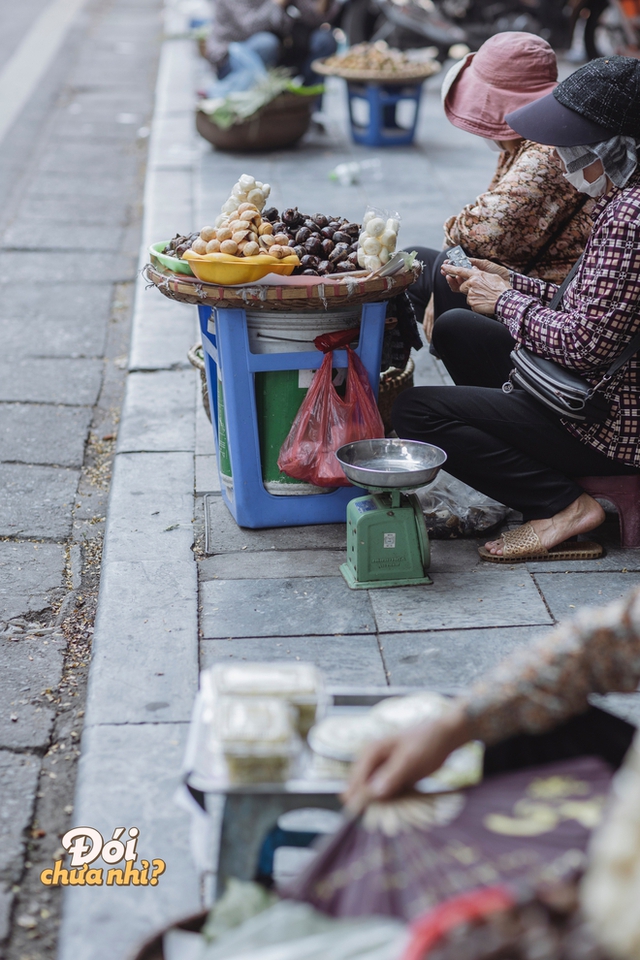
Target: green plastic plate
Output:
[{"x": 170, "y": 263}]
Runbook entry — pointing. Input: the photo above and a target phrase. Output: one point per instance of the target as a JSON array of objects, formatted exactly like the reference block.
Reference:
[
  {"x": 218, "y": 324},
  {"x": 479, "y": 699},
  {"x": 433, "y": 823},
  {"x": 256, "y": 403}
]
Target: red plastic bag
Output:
[{"x": 325, "y": 422}]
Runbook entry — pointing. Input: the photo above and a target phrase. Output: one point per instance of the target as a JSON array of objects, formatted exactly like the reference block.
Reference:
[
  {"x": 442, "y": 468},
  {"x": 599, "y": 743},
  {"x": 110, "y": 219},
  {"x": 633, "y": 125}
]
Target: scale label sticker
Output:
[{"x": 389, "y": 541}]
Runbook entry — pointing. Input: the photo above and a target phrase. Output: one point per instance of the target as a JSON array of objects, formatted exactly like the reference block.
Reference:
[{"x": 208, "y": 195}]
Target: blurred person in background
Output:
[
  {"x": 530, "y": 219},
  {"x": 248, "y": 36}
]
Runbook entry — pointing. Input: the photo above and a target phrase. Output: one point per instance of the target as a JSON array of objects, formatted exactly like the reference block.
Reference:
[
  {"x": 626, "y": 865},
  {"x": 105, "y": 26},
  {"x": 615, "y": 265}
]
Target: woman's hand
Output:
[
  {"x": 481, "y": 287},
  {"x": 391, "y": 765}
]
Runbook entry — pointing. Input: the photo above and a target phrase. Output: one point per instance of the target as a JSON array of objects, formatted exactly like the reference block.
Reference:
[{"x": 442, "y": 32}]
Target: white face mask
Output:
[
  {"x": 596, "y": 189},
  {"x": 493, "y": 145}
]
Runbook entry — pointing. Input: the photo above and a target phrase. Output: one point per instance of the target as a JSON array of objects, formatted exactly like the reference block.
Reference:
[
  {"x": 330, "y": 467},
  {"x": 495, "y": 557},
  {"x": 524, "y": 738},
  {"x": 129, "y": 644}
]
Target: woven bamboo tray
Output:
[
  {"x": 329, "y": 295},
  {"x": 414, "y": 74}
]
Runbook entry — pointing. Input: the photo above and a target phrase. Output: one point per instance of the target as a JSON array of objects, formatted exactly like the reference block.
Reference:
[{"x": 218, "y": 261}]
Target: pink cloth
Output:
[{"x": 509, "y": 71}]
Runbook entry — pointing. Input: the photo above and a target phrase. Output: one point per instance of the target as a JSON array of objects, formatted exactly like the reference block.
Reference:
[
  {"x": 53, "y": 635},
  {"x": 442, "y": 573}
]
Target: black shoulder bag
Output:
[{"x": 561, "y": 391}]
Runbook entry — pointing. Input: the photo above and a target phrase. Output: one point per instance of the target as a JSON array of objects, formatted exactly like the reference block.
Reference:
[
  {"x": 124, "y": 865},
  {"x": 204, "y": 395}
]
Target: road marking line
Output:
[{"x": 22, "y": 73}]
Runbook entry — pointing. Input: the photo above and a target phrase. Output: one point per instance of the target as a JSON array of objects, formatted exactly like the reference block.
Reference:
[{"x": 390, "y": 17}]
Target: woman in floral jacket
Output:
[{"x": 529, "y": 218}]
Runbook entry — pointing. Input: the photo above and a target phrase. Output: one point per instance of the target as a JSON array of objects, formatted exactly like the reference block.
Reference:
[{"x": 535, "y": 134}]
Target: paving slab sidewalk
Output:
[{"x": 167, "y": 610}]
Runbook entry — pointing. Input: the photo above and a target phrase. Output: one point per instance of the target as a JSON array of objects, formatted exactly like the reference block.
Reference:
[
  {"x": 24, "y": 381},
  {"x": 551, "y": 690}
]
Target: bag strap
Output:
[
  {"x": 557, "y": 233},
  {"x": 632, "y": 347},
  {"x": 558, "y": 295}
]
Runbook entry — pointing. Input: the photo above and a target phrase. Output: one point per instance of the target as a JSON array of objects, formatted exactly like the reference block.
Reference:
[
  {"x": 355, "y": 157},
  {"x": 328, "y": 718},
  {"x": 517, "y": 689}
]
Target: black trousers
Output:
[
  {"x": 430, "y": 282},
  {"x": 508, "y": 446}
]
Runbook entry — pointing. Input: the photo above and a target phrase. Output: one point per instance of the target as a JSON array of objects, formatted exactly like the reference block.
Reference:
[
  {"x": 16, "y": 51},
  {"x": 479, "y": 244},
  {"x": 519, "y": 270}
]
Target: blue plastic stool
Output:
[
  {"x": 381, "y": 100},
  {"x": 251, "y": 505}
]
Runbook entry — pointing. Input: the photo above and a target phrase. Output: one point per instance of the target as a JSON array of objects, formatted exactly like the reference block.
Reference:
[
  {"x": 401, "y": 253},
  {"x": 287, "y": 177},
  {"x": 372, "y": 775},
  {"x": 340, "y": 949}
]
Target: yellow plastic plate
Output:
[{"x": 227, "y": 270}]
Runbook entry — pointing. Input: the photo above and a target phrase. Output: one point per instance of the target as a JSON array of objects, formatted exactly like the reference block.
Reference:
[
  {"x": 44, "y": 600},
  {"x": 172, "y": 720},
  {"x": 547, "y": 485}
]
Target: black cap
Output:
[{"x": 597, "y": 102}]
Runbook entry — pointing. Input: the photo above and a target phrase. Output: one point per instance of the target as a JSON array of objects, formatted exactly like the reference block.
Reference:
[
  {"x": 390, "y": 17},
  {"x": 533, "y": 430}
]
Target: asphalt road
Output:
[{"x": 76, "y": 95}]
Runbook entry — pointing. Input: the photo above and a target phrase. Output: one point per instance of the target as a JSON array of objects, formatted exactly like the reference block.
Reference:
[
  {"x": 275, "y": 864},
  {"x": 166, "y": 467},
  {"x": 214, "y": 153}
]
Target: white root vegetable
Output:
[
  {"x": 251, "y": 249},
  {"x": 375, "y": 226},
  {"x": 371, "y": 246},
  {"x": 388, "y": 239},
  {"x": 208, "y": 233},
  {"x": 230, "y": 247},
  {"x": 199, "y": 246},
  {"x": 372, "y": 263},
  {"x": 213, "y": 246}
]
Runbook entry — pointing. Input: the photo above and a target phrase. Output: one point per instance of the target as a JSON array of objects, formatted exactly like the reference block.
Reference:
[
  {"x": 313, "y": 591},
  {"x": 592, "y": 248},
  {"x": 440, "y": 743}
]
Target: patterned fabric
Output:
[
  {"x": 526, "y": 202},
  {"x": 549, "y": 680},
  {"x": 598, "y": 316}
]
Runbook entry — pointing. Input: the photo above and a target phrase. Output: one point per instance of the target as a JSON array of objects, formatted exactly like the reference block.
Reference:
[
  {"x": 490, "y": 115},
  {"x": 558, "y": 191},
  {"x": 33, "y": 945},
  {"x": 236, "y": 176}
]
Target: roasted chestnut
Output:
[
  {"x": 320, "y": 220},
  {"x": 279, "y": 227},
  {"x": 303, "y": 234},
  {"x": 309, "y": 273},
  {"x": 353, "y": 229},
  {"x": 327, "y": 232},
  {"x": 309, "y": 261},
  {"x": 270, "y": 214},
  {"x": 327, "y": 246},
  {"x": 340, "y": 252},
  {"x": 311, "y": 226},
  {"x": 299, "y": 251},
  {"x": 292, "y": 217},
  {"x": 314, "y": 246},
  {"x": 344, "y": 266},
  {"x": 341, "y": 237},
  {"x": 335, "y": 225},
  {"x": 353, "y": 258},
  {"x": 324, "y": 266}
]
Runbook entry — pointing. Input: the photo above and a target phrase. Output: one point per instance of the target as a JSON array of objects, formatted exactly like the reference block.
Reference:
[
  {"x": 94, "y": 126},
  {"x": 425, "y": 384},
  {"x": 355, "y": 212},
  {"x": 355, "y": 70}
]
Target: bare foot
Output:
[{"x": 581, "y": 516}]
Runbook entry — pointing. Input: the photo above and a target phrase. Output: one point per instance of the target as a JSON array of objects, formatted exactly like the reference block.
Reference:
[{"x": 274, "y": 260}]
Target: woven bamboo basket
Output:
[
  {"x": 329, "y": 295},
  {"x": 413, "y": 74}
]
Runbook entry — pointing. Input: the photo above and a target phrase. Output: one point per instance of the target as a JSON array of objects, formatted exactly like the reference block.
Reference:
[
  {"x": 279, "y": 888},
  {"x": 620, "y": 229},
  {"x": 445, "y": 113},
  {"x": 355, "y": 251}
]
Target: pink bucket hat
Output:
[{"x": 509, "y": 71}]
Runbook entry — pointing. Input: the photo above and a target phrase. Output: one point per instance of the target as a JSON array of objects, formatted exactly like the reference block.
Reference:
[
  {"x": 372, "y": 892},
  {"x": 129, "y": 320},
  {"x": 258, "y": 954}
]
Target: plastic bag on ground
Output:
[
  {"x": 296, "y": 931},
  {"x": 325, "y": 422},
  {"x": 453, "y": 509}
]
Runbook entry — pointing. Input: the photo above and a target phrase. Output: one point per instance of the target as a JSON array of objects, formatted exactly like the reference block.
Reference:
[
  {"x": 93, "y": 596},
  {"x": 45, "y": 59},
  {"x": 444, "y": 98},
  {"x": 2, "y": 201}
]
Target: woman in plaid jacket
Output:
[{"x": 509, "y": 446}]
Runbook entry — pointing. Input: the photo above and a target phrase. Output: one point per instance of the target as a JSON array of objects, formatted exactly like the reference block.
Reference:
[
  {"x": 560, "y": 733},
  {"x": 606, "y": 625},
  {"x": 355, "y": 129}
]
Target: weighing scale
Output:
[{"x": 387, "y": 539}]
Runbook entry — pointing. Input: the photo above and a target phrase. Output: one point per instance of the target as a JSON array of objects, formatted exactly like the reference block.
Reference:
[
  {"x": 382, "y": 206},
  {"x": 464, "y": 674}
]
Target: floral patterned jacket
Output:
[
  {"x": 550, "y": 680},
  {"x": 598, "y": 316},
  {"x": 525, "y": 203}
]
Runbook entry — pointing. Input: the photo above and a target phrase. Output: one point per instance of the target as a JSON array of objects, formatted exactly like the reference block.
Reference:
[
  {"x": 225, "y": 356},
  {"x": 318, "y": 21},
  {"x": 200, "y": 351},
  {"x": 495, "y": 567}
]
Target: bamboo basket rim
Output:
[
  {"x": 416, "y": 74},
  {"x": 322, "y": 296}
]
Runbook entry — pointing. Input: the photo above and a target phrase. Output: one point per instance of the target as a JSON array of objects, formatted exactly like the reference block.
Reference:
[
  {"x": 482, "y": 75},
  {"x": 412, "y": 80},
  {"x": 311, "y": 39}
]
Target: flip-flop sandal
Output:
[{"x": 524, "y": 544}]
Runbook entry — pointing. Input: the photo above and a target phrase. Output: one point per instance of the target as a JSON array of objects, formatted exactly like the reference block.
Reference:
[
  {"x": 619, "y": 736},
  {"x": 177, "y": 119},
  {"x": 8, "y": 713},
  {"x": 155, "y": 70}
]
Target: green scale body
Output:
[{"x": 387, "y": 541}]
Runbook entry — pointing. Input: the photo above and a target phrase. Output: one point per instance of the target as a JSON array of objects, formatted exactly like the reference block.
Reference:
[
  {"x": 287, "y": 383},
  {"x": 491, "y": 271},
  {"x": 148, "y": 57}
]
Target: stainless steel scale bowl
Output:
[{"x": 387, "y": 540}]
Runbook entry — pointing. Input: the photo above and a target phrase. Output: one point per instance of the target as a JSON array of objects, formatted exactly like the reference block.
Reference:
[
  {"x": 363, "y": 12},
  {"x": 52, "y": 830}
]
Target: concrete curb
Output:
[{"x": 144, "y": 671}]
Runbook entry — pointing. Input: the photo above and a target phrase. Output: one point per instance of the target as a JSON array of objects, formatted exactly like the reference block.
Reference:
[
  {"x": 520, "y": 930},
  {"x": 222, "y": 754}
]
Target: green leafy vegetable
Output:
[{"x": 240, "y": 105}]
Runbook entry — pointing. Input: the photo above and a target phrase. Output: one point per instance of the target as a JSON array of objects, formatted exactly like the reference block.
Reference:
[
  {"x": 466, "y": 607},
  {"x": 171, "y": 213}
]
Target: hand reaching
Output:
[{"x": 391, "y": 765}]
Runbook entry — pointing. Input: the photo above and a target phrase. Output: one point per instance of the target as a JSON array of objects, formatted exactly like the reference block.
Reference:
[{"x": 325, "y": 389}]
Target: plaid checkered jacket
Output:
[{"x": 598, "y": 316}]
